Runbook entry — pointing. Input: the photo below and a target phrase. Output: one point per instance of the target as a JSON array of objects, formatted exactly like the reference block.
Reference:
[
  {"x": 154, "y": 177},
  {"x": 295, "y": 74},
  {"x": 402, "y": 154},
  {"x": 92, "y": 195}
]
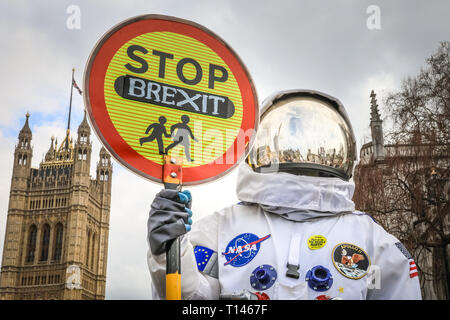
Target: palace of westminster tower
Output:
[{"x": 56, "y": 239}]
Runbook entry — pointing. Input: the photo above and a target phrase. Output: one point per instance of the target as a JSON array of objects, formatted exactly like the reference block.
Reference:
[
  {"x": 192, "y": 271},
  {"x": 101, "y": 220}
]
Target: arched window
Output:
[
  {"x": 45, "y": 242},
  {"x": 93, "y": 251},
  {"x": 31, "y": 244},
  {"x": 82, "y": 154},
  {"x": 58, "y": 242},
  {"x": 88, "y": 247}
]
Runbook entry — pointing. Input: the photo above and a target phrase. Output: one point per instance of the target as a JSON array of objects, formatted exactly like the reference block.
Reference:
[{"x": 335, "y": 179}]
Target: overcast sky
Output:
[{"x": 321, "y": 45}]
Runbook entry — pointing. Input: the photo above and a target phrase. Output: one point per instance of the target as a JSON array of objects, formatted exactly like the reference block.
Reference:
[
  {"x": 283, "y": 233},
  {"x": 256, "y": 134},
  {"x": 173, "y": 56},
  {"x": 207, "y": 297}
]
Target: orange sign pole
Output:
[{"x": 172, "y": 178}]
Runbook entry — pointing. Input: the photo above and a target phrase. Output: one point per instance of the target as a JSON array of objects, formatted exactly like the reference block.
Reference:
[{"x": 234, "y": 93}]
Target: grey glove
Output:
[{"x": 169, "y": 218}]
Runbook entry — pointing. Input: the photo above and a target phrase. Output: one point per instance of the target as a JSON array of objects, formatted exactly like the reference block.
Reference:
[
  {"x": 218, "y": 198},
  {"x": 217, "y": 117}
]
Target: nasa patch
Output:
[
  {"x": 242, "y": 249},
  {"x": 351, "y": 261}
]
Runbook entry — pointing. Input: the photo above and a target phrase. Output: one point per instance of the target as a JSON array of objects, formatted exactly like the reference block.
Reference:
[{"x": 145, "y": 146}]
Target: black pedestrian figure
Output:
[
  {"x": 158, "y": 131},
  {"x": 182, "y": 136}
]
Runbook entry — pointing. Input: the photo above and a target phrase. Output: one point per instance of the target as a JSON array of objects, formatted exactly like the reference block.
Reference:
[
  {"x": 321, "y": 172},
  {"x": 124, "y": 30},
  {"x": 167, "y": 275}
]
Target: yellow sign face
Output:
[
  {"x": 164, "y": 86},
  {"x": 316, "y": 242},
  {"x": 134, "y": 121}
]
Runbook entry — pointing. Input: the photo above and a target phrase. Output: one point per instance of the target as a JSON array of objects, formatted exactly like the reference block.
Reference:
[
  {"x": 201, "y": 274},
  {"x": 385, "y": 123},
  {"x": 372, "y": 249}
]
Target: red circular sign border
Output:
[{"x": 95, "y": 72}]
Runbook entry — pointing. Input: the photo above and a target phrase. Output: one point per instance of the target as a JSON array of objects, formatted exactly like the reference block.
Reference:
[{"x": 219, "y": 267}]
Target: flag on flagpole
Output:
[{"x": 76, "y": 87}]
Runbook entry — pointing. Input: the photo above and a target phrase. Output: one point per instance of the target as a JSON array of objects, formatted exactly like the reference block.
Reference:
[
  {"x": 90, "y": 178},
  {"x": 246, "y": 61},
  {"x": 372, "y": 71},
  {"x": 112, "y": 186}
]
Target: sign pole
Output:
[
  {"x": 173, "y": 272},
  {"x": 172, "y": 178}
]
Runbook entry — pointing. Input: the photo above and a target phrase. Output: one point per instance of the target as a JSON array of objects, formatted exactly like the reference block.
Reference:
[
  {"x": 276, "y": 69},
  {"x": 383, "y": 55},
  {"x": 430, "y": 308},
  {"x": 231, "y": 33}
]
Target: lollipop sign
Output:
[{"x": 157, "y": 85}]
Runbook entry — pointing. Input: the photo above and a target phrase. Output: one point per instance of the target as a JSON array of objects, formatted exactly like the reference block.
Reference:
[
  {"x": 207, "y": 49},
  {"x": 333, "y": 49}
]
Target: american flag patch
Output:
[
  {"x": 412, "y": 264},
  {"x": 412, "y": 269}
]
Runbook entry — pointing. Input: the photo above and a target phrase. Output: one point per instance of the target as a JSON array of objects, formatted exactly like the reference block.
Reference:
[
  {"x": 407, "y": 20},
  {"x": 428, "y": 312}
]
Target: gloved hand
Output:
[{"x": 170, "y": 217}]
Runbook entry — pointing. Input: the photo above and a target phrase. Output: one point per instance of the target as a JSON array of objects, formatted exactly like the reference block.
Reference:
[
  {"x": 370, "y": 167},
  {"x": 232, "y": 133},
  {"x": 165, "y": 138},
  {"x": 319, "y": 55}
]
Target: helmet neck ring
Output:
[{"x": 306, "y": 169}]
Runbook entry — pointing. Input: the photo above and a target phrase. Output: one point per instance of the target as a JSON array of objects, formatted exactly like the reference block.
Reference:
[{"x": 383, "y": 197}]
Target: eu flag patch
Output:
[{"x": 202, "y": 256}]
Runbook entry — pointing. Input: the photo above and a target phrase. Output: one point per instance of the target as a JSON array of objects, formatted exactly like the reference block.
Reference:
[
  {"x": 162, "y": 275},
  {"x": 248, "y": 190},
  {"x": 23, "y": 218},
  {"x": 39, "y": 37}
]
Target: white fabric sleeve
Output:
[
  {"x": 391, "y": 279},
  {"x": 194, "y": 284}
]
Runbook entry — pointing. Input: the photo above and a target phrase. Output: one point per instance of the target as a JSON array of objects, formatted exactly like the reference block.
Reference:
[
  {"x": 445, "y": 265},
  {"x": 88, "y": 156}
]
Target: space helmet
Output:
[{"x": 304, "y": 132}]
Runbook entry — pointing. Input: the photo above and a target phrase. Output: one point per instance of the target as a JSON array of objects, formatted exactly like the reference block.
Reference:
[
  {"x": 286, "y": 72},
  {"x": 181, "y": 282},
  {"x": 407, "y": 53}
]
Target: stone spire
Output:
[
  {"x": 84, "y": 125},
  {"x": 23, "y": 154},
  {"x": 104, "y": 167},
  {"x": 25, "y": 135},
  {"x": 25, "y": 131},
  {"x": 376, "y": 127},
  {"x": 374, "y": 113},
  {"x": 50, "y": 155},
  {"x": 84, "y": 131}
]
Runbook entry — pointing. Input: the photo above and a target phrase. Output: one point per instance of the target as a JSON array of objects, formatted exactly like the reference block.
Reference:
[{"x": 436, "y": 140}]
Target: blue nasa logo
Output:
[{"x": 242, "y": 249}]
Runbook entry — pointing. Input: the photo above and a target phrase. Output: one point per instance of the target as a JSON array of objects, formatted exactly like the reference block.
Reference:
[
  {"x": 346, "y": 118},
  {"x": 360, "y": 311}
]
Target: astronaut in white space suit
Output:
[{"x": 295, "y": 234}]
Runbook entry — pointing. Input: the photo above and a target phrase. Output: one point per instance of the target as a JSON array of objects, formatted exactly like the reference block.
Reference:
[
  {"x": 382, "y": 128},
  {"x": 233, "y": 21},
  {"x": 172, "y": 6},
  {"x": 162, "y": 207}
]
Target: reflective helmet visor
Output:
[{"x": 303, "y": 134}]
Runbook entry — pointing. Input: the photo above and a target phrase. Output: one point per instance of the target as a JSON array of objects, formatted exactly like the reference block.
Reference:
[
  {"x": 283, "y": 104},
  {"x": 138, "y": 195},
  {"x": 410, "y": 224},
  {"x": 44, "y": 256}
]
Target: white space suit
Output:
[
  {"x": 306, "y": 207},
  {"x": 295, "y": 234}
]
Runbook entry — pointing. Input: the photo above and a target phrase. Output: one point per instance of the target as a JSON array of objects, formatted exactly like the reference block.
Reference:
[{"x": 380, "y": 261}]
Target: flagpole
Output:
[{"x": 70, "y": 109}]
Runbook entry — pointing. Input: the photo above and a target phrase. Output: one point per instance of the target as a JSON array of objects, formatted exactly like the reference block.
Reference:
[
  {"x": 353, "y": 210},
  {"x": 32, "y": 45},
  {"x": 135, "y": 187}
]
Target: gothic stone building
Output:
[
  {"x": 56, "y": 238},
  {"x": 405, "y": 187}
]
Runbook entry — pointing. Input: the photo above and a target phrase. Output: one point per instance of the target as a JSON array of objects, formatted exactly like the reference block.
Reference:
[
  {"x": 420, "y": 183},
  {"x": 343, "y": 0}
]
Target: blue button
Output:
[
  {"x": 263, "y": 277},
  {"x": 319, "y": 278}
]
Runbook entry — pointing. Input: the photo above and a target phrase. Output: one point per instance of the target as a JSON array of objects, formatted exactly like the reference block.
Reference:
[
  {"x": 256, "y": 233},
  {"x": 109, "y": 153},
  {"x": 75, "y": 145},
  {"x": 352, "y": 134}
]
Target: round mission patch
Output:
[
  {"x": 351, "y": 261},
  {"x": 242, "y": 249}
]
